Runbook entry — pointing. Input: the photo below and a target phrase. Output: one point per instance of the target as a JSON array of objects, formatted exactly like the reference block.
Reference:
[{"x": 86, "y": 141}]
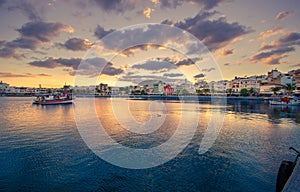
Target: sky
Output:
[{"x": 123, "y": 42}]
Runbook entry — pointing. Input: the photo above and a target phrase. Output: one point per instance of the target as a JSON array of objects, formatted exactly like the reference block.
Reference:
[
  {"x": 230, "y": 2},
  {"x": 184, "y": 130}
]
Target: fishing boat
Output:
[
  {"x": 287, "y": 100},
  {"x": 54, "y": 99}
]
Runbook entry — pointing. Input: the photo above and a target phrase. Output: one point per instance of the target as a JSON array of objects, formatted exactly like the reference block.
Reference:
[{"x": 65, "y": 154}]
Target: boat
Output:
[
  {"x": 288, "y": 176},
  {"x": 286, "y": 100},
  {"x": 53, "y": 100}
]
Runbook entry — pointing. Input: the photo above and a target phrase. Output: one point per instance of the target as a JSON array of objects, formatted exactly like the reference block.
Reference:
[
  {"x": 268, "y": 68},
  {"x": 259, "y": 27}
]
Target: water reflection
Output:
[{"x": 275, "y": 113}]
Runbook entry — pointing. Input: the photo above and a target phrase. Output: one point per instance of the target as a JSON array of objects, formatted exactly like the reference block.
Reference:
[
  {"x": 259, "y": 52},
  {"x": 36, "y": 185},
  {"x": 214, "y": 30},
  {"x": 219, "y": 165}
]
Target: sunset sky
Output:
[{"x": 43, "y": 41}]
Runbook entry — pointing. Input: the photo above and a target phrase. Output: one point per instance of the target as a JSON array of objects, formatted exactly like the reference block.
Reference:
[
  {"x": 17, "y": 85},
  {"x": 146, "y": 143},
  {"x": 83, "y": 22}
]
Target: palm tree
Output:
[
  {"x": 275, "y": 90},
  {"x": 289, "y": 87}
]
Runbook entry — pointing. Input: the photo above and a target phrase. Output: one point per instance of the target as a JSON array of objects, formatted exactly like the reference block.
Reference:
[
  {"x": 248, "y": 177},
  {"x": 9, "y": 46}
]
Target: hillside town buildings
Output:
[{"x": 274, "y": 82}]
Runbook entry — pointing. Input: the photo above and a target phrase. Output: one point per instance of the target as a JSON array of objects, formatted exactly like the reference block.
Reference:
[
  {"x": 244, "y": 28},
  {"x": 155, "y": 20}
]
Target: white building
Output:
[
  {"x": 4, "y": 87},
  {"x": 239, "y": 83}
]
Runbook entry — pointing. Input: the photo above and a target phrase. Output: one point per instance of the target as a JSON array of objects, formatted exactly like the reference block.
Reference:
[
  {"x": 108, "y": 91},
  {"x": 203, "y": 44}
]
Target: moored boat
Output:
[
  {"x": 287, "y": 100},
  {"x": 54, "y": 99}
]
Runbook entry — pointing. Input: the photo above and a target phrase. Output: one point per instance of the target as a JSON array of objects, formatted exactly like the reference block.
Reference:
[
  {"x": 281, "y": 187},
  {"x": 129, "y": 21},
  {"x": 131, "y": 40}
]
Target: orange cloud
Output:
[{"x": 147, "y": 12}]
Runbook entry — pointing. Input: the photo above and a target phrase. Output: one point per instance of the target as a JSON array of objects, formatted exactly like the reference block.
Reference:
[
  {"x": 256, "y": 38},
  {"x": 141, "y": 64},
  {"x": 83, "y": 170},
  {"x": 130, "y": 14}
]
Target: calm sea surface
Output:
[{"x": 42, "y": 150}]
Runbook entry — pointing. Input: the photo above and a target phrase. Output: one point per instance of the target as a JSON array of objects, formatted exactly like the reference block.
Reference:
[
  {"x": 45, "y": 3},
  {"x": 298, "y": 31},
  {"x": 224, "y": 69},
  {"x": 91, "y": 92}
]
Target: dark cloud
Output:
[
  {"x": 206, "y": 4},
  {"x": 24, "y": 43},
  {"x": 118, "y": 6},
  {"x": 77, "y": 44},
  {"x": 88, "y": 67},
  {"x": 283, "y": 15},
  {"x": 44, "y": 31},
  {"x": 59, "y": 62},
  {"x": 201, "y": 75},
  {"x": 181, "y": 62},
  {"x": 2, "y": 43},
  {"x": 26, "y": 8},
  {"x": 95, "y": 66},
  {"x": 44, "y": 75},
  {"x": 272, "y": 57},
  {"x": 155, "y": 65},
  {"x": 184, "y": 62},
  {"x": 173, "y": 75},
  {"x": 100, "y": 32},
  {"x": 2, "y": 2},
  {"x": 214, "y": 33},
  {"x": 9, "y": 74},
  {"x": 288, "y": 39},
  {"x": 7, "y": 52},
  {"x": 209, "y": 69}
]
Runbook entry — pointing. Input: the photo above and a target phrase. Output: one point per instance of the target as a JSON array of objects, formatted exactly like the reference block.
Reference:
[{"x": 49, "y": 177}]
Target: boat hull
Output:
[
  {"x": 56, "y": 102},
  {"x": 285, "y": 103}
]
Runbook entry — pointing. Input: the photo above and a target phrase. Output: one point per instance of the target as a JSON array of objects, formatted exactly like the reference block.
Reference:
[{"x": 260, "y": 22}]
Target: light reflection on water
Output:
[{"x": 41, "y": 150}]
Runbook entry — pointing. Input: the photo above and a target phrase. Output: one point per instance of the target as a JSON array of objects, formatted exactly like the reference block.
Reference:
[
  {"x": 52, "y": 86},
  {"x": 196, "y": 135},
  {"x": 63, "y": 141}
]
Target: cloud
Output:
[
  {"x": 24, "y": 43},
  {"x": 59, "y": 62},
  {"x": 77, "y": 44},
  {"x": 100, "y": 32},
  {"x": 185, "y": 62},
  {"x": 89, "y": 67},
  {"x": 225, "y": 52},
  {"x": 7, "y": 52},
  {"x": 269, "y": 33},
  {"x": 26, "y": 8},
  {"x": 296, "y": 65},
  {"x": 180, "y": 61},
  {"x": 155, "y": 65},
  {"x": 206, "y": 4},
  {"x": 214, "y": 33},
  {"x": 288, "y": 39},
  {"x": 283, "y": 15},
  {"x": 272, "y": 57},
  {"x": 201, "y": 75},
  {"x": 173, "y": 75},
  {"x": 44, "y": 31},
  {"x": 14, "y": 75},
  {"x": 2, "y": 2},
  {"x": 118, "y": 6},
  {"x": 147, "y": 12},
  {"x": 209, "y": 69}
]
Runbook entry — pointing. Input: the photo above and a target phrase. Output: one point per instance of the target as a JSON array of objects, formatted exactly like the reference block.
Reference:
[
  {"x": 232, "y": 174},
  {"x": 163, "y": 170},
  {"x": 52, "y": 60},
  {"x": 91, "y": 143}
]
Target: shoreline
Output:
[{"x": 163, "y": 97}]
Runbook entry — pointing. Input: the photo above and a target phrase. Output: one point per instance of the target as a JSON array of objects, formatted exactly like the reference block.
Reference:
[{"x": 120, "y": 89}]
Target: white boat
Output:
[{"x": 287, "y": 100}]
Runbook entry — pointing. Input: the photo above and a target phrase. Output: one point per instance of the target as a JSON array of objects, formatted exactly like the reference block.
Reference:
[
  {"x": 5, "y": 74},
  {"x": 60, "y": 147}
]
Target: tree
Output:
[
  {"x": 244, "y": 92},
  {"x": 206, "y": 91},
  {"x": 289, "y": 87},
  {"x": 275, "y": 90},
  {"x": 252, "y": 91},
  {"x": 143, "y": 92},
  {"x": 199, "y": 92},
  {"x": 229, "y": 91}
]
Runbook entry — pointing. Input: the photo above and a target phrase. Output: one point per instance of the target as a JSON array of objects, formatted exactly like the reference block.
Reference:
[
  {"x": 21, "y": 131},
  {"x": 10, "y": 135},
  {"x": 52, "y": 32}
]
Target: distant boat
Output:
[
  {"x": 53, "y": 100},
  {"x": 287, "y": 100}
]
